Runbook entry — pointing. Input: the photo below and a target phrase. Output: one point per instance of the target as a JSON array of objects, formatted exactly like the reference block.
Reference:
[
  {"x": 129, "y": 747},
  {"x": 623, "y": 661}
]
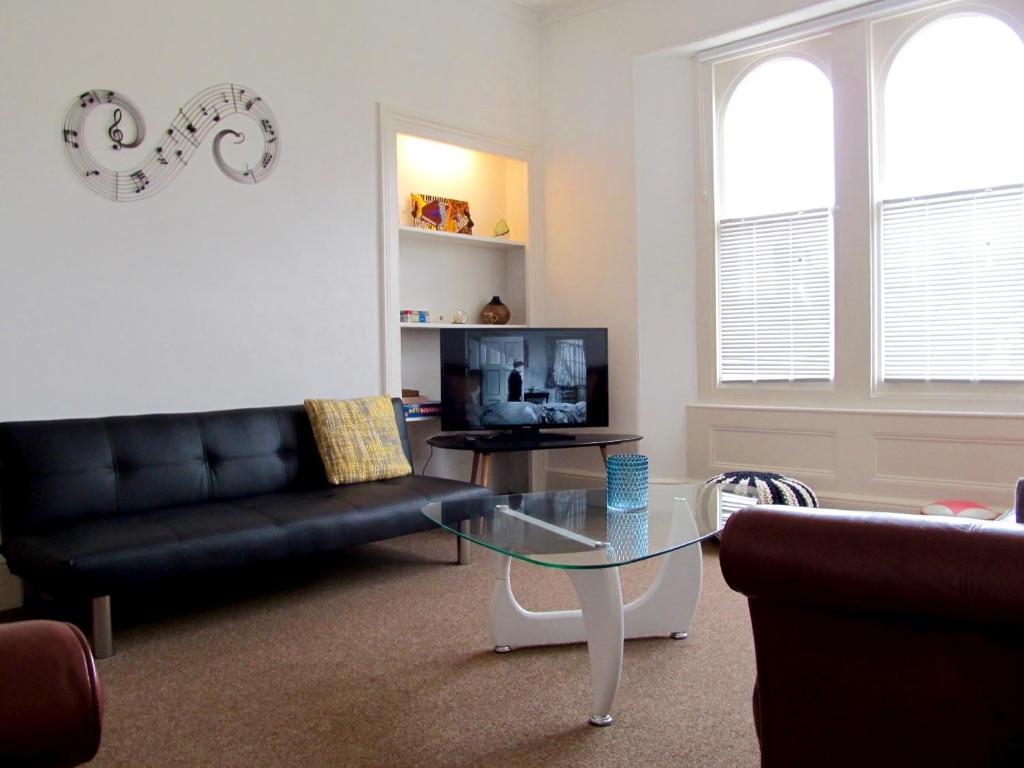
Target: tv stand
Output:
[
  {"x": 484, "y": 446},
  {"x": 520, "y": 436}
]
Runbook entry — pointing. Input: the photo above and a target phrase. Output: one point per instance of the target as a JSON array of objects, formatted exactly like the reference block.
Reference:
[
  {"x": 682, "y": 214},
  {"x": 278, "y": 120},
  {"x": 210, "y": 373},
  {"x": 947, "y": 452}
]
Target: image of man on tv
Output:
[
  {"x": 515, "y": 382},
  {"x": 532, "y": 378}
]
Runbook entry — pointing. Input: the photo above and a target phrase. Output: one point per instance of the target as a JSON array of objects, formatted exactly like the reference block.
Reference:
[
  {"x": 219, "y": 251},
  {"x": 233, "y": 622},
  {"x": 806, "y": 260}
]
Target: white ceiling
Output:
[{"x": 547, "y": 11}]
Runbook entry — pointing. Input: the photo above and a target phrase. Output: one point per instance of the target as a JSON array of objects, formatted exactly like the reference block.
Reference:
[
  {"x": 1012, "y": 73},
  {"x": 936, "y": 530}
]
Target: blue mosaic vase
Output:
[
  {"x": 627, "y": 533},
  {"x": 627, "y": 482}
]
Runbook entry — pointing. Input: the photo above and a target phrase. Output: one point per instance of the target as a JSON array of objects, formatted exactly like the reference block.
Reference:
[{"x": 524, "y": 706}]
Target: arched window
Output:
[
  {"x": 775, "y": 244},
  {"x": 952, "y": 204}
]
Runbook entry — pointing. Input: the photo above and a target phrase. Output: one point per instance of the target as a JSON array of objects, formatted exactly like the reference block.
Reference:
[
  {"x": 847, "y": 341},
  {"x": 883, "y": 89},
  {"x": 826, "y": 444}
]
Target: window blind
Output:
[
  {"x": 952, "y": 286},
  {"x": 775, "y": 308}
]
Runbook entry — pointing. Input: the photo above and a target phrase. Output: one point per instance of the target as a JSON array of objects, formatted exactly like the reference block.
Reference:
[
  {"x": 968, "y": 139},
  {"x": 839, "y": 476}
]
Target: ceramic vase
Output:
[{"x": 495, "y": 313}]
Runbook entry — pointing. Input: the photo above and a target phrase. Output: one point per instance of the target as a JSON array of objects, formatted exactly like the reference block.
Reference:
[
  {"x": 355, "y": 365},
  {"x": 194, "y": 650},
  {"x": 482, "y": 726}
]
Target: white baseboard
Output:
[
  {"x": 11, "y": 595},
  {"x": 581, "y": 478}
]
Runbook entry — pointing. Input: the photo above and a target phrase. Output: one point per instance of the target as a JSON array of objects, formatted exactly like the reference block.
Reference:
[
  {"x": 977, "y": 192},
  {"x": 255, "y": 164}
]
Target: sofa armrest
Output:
[
  {"x": 51, "y": 708},
  {"x": 403, "y": 430},
  {"x": 877, "y": 563}
]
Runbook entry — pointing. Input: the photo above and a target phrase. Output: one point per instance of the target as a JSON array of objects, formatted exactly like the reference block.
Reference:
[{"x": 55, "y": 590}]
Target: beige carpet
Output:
[{"x": 385, "y": 660}]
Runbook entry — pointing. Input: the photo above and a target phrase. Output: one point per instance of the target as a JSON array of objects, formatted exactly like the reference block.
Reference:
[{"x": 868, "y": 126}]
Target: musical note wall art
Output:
[{"x": 174, "y": 147}]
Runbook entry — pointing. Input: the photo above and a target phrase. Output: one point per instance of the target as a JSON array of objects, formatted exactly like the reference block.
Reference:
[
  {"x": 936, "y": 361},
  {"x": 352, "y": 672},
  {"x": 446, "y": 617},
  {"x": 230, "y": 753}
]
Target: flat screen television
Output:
[{"x": 524, "y": 380}]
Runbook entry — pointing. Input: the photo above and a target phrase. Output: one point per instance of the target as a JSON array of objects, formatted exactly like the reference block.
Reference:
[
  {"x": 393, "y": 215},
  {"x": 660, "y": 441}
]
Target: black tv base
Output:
[
  {"x": 523, "y": 440},
  {"x": 528, "y": 435}
]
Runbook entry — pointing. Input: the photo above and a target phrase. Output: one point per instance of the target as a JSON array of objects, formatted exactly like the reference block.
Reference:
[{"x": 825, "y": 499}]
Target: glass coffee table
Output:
[{"x": 576, "y": 532}]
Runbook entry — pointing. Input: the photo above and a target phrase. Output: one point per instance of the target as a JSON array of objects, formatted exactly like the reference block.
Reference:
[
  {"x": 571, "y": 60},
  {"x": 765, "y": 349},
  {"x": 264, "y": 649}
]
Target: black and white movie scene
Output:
[{"x": 525, "y": 379}]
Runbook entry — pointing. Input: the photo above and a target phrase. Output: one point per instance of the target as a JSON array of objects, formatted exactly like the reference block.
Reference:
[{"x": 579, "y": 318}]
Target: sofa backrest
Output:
[{"x": 53, "y": 473}]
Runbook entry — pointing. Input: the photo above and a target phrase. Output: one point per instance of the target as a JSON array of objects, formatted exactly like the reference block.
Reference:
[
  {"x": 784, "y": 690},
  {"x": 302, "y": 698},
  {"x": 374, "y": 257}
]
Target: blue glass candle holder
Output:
[
  {"x": 627, "y": 481},
  {"x": 627, "y": 533}
]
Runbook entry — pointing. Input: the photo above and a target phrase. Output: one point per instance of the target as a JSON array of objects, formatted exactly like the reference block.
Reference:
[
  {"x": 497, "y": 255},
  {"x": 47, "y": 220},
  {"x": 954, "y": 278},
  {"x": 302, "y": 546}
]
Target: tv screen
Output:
[{"x": 536, "y": 378}]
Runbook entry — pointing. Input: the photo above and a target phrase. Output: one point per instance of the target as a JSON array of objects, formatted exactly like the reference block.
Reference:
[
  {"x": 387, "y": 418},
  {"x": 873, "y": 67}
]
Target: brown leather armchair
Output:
[
  {"x": 882, "y": 639},
  {"x": 51, "y": 709}
]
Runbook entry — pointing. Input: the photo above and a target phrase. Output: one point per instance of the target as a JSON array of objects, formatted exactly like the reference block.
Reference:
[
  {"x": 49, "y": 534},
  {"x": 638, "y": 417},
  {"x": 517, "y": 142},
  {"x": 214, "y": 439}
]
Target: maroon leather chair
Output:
[
  {"x": 882, "y": 639},
  {"x": 51, "y": 709}
]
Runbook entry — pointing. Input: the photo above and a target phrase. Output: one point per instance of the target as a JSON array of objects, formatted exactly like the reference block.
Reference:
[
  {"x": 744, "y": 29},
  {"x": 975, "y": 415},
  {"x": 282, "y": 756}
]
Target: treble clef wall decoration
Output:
[
  {"x": 117, "y": 135},
  {"x": 175, "y": 146}
]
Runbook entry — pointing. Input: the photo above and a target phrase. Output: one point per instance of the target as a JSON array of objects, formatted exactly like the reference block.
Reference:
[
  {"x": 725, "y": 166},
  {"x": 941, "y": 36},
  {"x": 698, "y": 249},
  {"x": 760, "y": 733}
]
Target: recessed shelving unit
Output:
[{"x": 442, "y": 272}]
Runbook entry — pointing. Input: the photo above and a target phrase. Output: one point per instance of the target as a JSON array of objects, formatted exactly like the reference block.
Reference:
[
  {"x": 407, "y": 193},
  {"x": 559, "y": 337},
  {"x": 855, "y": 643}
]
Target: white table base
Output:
[{"x": 666, "y": 608}]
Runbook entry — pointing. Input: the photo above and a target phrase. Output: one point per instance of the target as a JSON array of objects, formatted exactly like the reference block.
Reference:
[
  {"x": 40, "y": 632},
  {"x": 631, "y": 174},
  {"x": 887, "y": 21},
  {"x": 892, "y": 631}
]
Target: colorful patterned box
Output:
[{"x": 442, "y": 214}]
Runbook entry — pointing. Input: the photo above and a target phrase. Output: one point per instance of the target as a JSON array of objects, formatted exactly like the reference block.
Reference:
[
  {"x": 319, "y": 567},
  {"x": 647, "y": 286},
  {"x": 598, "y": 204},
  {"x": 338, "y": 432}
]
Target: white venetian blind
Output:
[
  {"x": 951, "y": 208},
  {"x": 953, "y": 286},
  {"x": 774, "y": 225},
  {"x": 775, "y": 297}
]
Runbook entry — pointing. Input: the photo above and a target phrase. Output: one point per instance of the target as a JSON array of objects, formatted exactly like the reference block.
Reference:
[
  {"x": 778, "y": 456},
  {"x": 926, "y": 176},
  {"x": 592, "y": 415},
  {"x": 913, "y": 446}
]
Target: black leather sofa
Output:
[{"x": 88, "y": 506}]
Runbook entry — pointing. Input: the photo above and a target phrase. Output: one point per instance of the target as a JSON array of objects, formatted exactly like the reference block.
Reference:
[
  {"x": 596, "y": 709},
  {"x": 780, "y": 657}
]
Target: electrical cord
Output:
[{"x": 427, "y": 464}]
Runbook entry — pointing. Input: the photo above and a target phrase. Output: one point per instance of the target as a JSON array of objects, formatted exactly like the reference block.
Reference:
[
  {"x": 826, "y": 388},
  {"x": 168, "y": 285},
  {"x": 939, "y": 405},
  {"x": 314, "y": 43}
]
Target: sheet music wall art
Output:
[{"x": 174, "y": 147}]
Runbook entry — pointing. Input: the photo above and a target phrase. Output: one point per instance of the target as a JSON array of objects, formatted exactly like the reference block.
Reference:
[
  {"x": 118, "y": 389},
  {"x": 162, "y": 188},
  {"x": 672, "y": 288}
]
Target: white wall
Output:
[
  {"x": 211, "y": 294},
  {"x": 667, "y": 314},
  {"x": 630, "y": 242},
  {"x": 620, "y": 250}
]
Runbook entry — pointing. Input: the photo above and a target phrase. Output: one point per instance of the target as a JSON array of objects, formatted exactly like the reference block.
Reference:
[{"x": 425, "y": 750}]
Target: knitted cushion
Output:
[
  {"x": 358, "y": 439},
  {"x": 771, "y": 488}
]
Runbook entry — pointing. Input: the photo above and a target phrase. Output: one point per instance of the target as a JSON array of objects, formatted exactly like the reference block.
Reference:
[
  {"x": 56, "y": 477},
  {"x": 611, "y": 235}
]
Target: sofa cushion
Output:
[
  {"x": 259, "y": 450},
  {"x": 54, "y": 473},
  {"x": 159, "y": 459},
  {"x": 98, "y": 556}
]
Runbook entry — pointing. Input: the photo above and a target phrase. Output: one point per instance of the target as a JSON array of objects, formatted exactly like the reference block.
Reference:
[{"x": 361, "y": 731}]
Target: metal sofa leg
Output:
[
  {"x": 464, "y": 555},
  {"x": 101, "y": 631}
]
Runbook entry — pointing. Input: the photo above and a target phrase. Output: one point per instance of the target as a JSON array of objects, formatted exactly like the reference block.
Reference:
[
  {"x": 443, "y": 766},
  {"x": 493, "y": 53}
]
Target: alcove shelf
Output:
[
  {"x": 443, "y": 272},
  {"x": 453, "y": 238},
  {"x": 467, "y": 326}
]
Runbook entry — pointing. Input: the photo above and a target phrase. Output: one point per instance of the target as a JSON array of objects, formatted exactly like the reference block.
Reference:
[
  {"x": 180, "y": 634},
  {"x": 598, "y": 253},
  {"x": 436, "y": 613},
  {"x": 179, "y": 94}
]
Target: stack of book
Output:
[
  {"x": 418, "y": 406},
  {"x": 415, "y": 316},
  {"x": 422, "y": 409}
]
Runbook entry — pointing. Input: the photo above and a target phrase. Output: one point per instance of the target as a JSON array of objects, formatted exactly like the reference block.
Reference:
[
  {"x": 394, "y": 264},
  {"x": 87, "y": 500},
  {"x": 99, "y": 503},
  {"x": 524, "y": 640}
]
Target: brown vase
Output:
[{"x": 495, "y": 313}]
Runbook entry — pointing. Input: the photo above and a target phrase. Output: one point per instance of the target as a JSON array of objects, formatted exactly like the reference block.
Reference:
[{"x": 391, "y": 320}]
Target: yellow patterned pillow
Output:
[{"x": 358, "y": 439}]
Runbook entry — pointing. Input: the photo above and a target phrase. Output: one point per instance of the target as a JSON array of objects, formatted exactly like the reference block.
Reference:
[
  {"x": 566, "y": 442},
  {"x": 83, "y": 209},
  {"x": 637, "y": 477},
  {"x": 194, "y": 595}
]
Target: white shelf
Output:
[
  {"x": 479, "y": 241},
  {"x": 421, "y": 418},
  {"x": 438, "y": 326}
]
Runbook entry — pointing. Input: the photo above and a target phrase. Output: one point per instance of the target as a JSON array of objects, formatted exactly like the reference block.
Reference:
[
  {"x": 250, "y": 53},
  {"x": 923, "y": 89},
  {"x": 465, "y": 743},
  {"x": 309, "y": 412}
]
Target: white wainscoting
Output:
[
  {"x": 790, "y": 450},
  {"x": 868, "y": 459},
  {"x": 568, "y": 479}
]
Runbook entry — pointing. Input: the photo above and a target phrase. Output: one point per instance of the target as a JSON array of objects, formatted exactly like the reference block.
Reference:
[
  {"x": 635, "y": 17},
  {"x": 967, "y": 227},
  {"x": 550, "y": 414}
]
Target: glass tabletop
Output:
[{"x": 575, "y": 529}]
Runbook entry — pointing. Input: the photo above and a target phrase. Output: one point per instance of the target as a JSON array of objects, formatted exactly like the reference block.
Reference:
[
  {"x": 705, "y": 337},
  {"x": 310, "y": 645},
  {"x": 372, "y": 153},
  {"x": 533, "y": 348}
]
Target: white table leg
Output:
[
  {"x": 668, "y": 605},
  {"x": 600, "y": 597},
  {"x": 513, "y": 626},
  {"x": 599, "y": 623},
  {"x": 666, "y": 608}
]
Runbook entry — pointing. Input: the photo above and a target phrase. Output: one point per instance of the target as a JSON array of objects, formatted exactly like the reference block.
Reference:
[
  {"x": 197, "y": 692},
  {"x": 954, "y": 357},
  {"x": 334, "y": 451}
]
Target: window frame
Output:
[
  {"x": 887, "y": 36},
  {"x": 851, "y": 38},
  {"x": 816, "y": 50}
]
